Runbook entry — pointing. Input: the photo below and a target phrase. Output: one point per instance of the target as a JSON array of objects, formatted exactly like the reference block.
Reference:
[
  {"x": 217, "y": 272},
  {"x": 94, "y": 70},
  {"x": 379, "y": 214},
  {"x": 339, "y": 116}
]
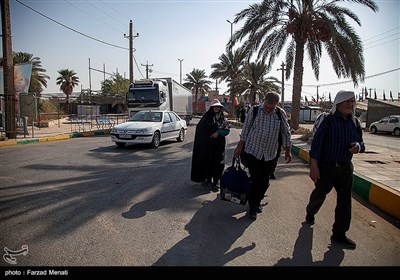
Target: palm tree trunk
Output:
[{"x": 297, "y": 85}]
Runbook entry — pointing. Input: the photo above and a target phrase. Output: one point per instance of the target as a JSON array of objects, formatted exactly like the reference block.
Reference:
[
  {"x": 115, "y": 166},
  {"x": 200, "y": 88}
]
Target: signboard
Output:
[
  {"x": 28, "y": 105},
  {"x": 22, "y": 79}
]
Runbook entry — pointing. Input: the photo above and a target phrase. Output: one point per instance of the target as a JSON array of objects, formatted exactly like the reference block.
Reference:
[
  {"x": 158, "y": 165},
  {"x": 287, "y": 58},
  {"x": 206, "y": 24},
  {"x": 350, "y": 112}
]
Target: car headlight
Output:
[{"x": 114, "y": 130}]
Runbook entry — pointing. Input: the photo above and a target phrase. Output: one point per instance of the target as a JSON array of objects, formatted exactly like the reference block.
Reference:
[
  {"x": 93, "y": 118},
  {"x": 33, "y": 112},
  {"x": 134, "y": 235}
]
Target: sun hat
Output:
[{"x": 216, "y": 102}]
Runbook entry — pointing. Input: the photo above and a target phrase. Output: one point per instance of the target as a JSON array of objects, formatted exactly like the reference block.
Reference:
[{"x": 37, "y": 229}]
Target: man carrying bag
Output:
[{"x": 261, "y": 138}]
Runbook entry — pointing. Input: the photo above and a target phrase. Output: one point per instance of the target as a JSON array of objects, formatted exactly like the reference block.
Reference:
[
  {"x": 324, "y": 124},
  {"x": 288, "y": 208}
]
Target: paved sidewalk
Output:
[{"x": 379, "y": 186}]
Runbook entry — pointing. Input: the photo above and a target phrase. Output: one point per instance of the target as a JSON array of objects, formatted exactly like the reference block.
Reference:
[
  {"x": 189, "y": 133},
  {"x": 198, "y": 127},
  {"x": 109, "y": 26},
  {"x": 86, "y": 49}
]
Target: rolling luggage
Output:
[{"x": 235, "y": 183}]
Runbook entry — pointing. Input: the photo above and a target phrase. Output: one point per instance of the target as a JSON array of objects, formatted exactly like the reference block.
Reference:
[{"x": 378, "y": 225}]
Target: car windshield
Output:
[{"x": 147, "y": 117}]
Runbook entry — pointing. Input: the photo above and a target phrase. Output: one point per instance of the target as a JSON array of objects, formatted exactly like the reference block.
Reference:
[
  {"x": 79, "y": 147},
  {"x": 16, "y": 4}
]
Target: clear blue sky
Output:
[{"x": 196, "y": 31}]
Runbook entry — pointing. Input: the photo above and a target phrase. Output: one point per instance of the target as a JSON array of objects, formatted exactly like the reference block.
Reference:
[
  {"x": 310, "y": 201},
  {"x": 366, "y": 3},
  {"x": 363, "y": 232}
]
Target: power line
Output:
[
  {"x": 350, "y": 81},
  {"x": 76, "y": 31}
]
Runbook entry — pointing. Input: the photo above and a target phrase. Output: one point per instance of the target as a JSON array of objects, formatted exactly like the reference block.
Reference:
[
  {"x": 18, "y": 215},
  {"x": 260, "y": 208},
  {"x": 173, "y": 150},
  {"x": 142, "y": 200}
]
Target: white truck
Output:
[{"x": 160, "y": 94}]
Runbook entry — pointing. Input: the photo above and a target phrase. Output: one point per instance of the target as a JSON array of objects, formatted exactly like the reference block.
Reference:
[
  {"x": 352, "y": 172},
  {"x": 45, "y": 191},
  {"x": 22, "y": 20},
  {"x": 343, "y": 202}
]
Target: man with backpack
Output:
[
  {"x": 337, "y": 136},
  {"x": 261, "y": 135}
]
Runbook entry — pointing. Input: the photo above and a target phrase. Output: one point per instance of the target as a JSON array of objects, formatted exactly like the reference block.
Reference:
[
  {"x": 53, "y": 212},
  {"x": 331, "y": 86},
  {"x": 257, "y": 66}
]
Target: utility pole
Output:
[
  {"x": 180, "y": 72},
  {"x": 131, "y": 49},
  {"x": 8, "y": 70},
  {"x": 231, "y": 23},
  {"x": 147, "y": 68},
  {"x": 283, "y": 84}
]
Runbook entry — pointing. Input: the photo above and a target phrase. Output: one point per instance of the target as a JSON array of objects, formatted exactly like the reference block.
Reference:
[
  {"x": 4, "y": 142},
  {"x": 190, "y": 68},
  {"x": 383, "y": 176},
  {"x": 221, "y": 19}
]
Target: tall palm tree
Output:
[
  {"x": 253, "y": 81},
  {"x": 38, "y": 77},
  {"x": 228, "y": 69},
  {"x": 300, "y": 25},
  {"x": 197, "y": 81},
  {"x": 67, "y": 81}
]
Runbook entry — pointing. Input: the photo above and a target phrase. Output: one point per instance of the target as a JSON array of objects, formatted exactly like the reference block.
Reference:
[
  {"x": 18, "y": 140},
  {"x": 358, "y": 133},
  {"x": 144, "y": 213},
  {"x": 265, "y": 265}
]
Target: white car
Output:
[
  {"x": 390, "y": 124},
  {"x": 151, "y": 127}
]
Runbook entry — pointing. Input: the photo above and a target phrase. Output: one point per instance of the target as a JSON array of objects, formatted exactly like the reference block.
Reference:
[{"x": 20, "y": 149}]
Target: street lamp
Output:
[
  {"x": 283, "y": 84},
  {"x": 180, "y": 67},
  {"x": 231, "y": 23}
]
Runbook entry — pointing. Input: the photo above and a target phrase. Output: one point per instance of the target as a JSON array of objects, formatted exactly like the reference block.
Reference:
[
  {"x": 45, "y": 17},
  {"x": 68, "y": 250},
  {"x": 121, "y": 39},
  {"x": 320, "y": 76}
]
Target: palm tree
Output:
[
  {"x": 115, "y": 85},
  {"x": 253, "y": 81},
  {"x": 196, "y": 81},
  {"x": 228, "y": 69},
  {"x": 67, "y": 81},
  {"x": 300, "y": 25},
  {"x": 38, "y": 78}
]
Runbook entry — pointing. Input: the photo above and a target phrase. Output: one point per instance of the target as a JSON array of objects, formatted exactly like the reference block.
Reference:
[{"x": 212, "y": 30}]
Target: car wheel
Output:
[
  {"x": 397, "y": 132},
  {"x": 374, "y": 130},
  {"x": 181, "y": 135},
  {"x": 155, "y": 142},
  {"x": 120, "y": 144}
]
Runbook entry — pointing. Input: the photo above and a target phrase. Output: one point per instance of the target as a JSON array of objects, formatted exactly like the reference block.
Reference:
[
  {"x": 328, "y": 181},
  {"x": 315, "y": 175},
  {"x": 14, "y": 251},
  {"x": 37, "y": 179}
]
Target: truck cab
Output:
[
  {"x": 159, "y": 94},
  {"x": 149, "y": 94}
]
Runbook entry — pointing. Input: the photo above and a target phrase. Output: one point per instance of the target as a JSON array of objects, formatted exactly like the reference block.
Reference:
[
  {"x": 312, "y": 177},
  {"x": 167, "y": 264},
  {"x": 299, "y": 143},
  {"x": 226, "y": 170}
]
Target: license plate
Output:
[{"x": 125, "y": 136}]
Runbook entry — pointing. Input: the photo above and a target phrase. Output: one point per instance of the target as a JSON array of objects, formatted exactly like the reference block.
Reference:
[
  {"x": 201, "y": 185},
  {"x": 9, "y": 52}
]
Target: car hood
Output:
[{"x": 136, "y": 125}]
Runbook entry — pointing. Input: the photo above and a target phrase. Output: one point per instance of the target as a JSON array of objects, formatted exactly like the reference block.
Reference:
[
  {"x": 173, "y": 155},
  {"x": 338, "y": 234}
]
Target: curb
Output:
[
  {"x": 54, "y": 138},
  {"x": 379, "y": 195}
]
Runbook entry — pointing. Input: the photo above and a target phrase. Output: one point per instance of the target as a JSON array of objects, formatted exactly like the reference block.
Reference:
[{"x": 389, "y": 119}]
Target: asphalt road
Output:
[{"x": 83, "y": 202}]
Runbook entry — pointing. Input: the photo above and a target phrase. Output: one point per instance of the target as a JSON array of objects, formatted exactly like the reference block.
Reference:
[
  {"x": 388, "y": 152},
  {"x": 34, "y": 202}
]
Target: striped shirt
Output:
[
  {"x": 261, "y": 134},
  {"x": 332, "y": 139}
]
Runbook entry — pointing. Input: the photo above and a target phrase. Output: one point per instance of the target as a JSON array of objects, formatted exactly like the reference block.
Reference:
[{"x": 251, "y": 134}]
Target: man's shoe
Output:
[
  {"x": 253, "y": 215},
  {"x": 344, "y": 241},
  {"x": 259, "y": 209},
  {"x": 310, "y": 219}
]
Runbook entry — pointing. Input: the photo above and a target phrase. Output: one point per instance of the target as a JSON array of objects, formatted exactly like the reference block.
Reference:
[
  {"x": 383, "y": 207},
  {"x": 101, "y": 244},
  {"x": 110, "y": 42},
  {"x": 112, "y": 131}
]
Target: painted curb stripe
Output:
[
  {"x": 295, "y": 150},
  {"x": 27, "y": 141},
  {"x": 361, "y": 186},
  {"x": 8, "y": 143},
  {"x": 386, "y": 199},
  {"x": 304, "y": 155}
]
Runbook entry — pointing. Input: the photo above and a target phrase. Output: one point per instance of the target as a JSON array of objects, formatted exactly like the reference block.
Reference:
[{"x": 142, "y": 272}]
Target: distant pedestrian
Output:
[
  {"x": 237, "y": 113},
  {"x": 242, "y": 114},
  {"x": 337, "y": 137}
]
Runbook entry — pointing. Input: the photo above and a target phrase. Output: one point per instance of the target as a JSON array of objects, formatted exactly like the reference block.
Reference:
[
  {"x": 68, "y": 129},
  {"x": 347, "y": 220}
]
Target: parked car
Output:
[
  {"x": 152, "y": 127},
  {"x": 390, "y": 124}
]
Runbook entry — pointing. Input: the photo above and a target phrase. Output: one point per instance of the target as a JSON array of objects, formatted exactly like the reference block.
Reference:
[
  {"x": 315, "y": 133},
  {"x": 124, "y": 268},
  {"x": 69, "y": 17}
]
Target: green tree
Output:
[
  {"x": 115, "y": 85},
  {"x": 197, "y": 81},
  {"x": 67, "y": 81},
  {"x": 228, "y": 69},
  {"x": 300, "y": 25},
  {"x": 253, "y": 81},
  {"x": 38, "y": 78}
]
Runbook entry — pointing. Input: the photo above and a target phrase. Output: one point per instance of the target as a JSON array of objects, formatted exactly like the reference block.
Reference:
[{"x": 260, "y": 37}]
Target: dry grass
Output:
[{"x": 305, "y": 132}]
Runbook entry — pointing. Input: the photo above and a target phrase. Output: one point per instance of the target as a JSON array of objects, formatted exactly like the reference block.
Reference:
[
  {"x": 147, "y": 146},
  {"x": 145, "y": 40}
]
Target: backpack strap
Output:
[{"x": 255, "y": 111}]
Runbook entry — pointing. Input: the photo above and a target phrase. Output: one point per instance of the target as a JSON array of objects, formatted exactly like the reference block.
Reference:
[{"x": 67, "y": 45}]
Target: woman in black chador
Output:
[{"x": 209, "y": 146}]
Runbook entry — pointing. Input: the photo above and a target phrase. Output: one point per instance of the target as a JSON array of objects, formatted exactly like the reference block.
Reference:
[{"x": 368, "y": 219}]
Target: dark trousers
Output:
[
  {"x": 259, "y": 172},
  {"x": 278, "y": 154},
  {"x": 340, "y": 178}
]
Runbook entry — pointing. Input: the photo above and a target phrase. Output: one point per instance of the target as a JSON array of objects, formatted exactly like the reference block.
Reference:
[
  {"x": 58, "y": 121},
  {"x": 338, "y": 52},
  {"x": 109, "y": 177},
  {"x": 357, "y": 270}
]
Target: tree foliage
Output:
[
  {"x": 299, "y": 27},
  {"x": 197, "y": 81}
]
